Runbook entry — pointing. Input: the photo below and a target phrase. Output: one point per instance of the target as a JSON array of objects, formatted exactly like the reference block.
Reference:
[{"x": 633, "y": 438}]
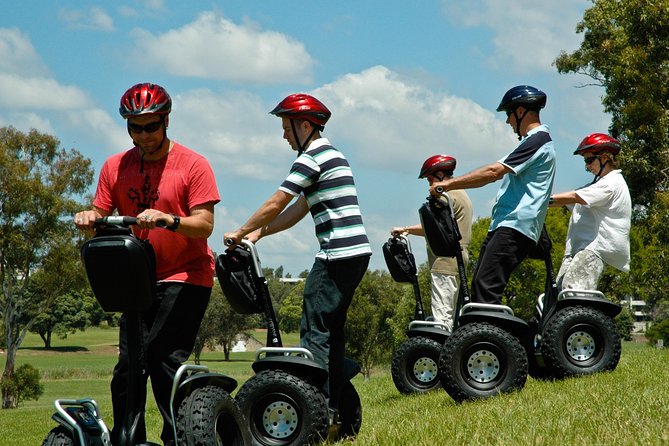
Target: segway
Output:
[
  {"x": 414, "y": 366},
  {"x": 573, "y": 331},
  {"x": 282, "y": 401},
  {"x": 485, "y": 353},
  {"x": 121, "y": 270}
]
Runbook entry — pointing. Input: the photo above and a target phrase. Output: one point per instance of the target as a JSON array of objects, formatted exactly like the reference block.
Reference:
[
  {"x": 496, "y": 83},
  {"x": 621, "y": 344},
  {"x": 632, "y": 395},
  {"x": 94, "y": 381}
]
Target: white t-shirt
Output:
[{"x": 602, "y": 225}]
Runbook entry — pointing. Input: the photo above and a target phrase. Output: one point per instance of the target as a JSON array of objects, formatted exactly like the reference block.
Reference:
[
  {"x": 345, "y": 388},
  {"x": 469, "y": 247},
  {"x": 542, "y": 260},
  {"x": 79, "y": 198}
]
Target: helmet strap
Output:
[
  {"x": 301, "y": 147},
  {"x": 518, "y": 121},
  {"x": 601, "y": 168},
  {"x": 143, "y": 152}
]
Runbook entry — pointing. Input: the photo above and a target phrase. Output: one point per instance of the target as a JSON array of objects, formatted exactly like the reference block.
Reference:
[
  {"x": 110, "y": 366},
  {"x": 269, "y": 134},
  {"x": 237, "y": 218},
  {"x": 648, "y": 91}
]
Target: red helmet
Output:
[
  {"x": 437, "y": 163},
  {"x": 598, "y": 142},
  {"x": 303, "y": 106},
  {"x": 145, "y": 98}
]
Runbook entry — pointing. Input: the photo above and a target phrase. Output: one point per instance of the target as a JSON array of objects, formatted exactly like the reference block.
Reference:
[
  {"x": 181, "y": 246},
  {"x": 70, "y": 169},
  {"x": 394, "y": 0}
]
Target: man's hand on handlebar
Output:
[{"x": 85, "y": 220}]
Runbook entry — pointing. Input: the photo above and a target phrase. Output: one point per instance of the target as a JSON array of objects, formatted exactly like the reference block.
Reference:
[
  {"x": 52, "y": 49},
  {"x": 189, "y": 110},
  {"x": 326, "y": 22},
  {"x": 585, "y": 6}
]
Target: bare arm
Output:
[
  {"x": 287, "y": 219},
  {"x": 263, "y": 216},
  {"x": 476, "y": 178},
  {"x": 413, "y": 229},
  {"x": 566, "y": 198}
]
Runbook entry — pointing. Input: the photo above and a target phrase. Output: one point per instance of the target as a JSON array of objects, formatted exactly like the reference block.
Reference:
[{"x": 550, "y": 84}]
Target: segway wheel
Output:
[
  {"x": 350, "y": 412},
  {"x": 415, "y": 365},
  {"x": 58, "y": 436},
  {"x": 480, "y": 360},
  {"x": 283, "y": 409},
  {"x": 581, "y": 341},
  {"x": 209, "y": 416}
]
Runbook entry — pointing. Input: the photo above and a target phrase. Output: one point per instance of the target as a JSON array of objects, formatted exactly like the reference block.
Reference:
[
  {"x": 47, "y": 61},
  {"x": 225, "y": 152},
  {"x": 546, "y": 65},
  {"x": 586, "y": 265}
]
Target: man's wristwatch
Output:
[{"x": 173, "y": 227}]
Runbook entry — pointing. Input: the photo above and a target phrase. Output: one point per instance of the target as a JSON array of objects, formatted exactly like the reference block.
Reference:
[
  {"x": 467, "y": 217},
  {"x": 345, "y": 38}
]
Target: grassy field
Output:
[{"x": 629, "y": 406}]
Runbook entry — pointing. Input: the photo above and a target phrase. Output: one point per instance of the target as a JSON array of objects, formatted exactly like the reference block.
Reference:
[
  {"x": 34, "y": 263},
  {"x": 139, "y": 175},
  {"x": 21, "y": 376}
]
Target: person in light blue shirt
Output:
[{"x": 520, "y": 209}]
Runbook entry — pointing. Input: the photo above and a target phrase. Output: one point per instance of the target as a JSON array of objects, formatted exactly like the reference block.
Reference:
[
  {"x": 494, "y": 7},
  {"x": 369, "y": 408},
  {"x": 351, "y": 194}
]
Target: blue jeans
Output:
[{"x": 328, "y": 293}]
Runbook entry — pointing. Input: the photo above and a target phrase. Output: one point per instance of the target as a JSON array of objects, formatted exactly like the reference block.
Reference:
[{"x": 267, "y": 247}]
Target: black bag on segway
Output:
[
  {"x": 399, "y": 260},
  {"x": 235, "y": 273},
  {"x": 121, "y": 269},
  {"x": 441, "y": 229}
]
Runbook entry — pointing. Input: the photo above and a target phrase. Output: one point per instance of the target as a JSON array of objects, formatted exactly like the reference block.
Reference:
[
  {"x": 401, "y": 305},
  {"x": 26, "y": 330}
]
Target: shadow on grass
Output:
[{"x": 65, "y": 349}]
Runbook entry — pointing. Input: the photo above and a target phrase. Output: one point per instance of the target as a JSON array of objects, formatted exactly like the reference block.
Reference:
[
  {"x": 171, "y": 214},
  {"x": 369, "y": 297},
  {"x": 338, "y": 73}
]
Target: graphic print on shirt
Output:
[{"x": 144, "y": 199}]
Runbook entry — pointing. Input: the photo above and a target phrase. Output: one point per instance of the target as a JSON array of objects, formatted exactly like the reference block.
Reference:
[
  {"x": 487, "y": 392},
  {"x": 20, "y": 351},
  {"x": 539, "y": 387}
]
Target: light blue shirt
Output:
[{"x": 522, "y": 200}]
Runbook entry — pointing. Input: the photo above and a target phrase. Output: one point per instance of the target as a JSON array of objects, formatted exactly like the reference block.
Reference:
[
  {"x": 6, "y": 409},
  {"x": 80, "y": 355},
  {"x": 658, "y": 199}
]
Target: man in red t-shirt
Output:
[{"x": 160, "y": 181}]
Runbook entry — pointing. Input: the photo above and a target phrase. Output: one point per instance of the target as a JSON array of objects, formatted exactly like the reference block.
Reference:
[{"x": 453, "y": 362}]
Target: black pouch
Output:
[
  {"x": 237, "y": 278},
  {"x": 399, "y": 259},
  {"x": 441, "y": 229},
  {"x": 121, "y": 270}
]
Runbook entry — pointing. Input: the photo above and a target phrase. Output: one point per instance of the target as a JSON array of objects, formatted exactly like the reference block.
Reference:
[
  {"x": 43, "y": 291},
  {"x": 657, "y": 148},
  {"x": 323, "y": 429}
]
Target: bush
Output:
[
  {"x": 625, "y": 324},
  {"x": 659, "y": 330},
  {"x": 23, "y": 385}
]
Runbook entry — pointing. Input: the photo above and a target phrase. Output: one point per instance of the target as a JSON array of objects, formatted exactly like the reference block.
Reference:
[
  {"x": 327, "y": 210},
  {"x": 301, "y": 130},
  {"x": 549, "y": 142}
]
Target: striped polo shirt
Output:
[{"x": 323, "y": 176}]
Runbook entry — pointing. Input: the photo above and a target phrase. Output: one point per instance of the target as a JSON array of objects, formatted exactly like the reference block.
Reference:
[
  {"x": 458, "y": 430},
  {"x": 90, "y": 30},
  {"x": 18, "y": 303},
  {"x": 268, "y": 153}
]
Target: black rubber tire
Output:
[
  {"x": 415, "y": 365},
  {"x": 283, "y": 409},
  {"x": 581, "y": 341},
  {"x": 209, "y": 416},
  {"x": 480, "y": 360},
  {"x": 350, "y": 412},
  {"x": 58, "y": 436}
]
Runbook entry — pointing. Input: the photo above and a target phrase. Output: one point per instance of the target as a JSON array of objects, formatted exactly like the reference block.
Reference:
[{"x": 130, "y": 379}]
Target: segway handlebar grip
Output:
[{"x": 123, "y": 220}]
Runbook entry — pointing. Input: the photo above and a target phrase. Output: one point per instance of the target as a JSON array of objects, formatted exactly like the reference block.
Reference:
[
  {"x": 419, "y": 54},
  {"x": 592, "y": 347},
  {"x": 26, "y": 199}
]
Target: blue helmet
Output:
[{"x": 522, "y": 95}]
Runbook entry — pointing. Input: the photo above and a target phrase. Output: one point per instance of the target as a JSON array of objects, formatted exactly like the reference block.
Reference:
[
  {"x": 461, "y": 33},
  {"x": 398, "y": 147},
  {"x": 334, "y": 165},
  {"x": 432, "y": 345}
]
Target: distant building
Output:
[
  {"x": 639, "y": 312},
  {"x": 291, "y": 279}
]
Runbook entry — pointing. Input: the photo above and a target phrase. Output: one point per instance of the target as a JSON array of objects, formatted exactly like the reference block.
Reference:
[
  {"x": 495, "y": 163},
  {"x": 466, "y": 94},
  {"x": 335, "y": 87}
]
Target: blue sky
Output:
[{"x": 404, "y": 80}]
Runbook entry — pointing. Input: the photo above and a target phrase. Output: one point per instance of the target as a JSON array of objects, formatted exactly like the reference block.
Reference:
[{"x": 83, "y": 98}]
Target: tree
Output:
[
  {"x": 38, "y": 186},
  {"x": 625, "y": 49},
  {"x": 221, "y": 325},
  {"x": 68, "y": 313},
  {"x": 369, "y": 337}
]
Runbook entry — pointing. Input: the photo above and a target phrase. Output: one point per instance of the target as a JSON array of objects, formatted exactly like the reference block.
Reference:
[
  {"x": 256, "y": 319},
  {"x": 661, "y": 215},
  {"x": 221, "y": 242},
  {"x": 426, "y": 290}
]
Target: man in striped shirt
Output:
[
  {"x": 519, "y": 213},
  {"x": 321, "y": 180}
]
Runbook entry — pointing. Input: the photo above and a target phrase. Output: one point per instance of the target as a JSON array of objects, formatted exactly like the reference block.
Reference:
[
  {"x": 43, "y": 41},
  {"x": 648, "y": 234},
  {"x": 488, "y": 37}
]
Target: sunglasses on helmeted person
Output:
[{"x": 148, "y": 128}]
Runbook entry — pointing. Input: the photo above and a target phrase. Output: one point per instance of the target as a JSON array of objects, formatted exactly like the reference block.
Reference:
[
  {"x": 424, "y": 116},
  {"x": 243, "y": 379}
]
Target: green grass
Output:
[{"x": 629, "y": 406}]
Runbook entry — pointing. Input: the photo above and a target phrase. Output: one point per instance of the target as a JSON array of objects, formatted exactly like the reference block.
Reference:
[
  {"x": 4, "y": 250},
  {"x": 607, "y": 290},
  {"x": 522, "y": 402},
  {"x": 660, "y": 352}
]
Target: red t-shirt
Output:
[{"x": 174, "y": 185}]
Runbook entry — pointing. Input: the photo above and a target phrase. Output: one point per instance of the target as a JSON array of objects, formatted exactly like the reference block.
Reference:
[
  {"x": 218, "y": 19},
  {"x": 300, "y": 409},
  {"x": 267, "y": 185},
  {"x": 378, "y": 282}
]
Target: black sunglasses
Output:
[
  {"x": 590, "y": 159},
  {"x": 148, "y": 128}
]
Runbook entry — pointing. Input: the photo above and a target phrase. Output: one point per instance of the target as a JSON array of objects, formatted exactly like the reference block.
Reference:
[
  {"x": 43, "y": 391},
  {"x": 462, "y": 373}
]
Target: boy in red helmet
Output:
[
  {"x": 444, "y": 278},
  {"x": 159, "y": 180},
  {"x": 600, "y": 222},
  {"x": 322, "y": 183}
]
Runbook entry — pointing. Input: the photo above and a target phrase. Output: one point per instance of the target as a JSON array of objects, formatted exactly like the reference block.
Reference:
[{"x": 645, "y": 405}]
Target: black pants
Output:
[
  {"x": 328, "y": 293},
  {"x": 502, "y": 251},
  {"x": 168, "y": 330}
]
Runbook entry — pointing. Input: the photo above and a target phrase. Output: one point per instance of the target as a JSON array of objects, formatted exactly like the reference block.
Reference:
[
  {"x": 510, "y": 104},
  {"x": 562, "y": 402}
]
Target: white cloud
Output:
[
  {"x": 213, "y": 47},
  {"x": 233, "y": 130},
  {"x": 94, "y": 18},
  {"x": 18, "y": 56},
  {"x": 528, "y": 35},
  {"x": 386, "y": 118},
  {"x": 24, "y": 121},
  {"x": 37, "y": 93}
]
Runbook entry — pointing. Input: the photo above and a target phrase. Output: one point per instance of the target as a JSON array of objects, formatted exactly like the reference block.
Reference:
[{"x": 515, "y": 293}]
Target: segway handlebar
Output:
[
  {"x": 121, "y": 220},
  {"x": 249, "y": 246}
]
